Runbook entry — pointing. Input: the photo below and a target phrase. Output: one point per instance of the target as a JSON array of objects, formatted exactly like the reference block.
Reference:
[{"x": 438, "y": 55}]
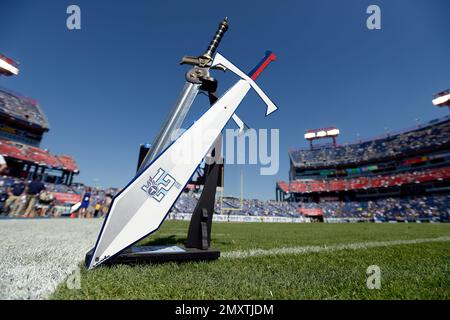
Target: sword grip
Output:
[{"x": 223, "y": 27}]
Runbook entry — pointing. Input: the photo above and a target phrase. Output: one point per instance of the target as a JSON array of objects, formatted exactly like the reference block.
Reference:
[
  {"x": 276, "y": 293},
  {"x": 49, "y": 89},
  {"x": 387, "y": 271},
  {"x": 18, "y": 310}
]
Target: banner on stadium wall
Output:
[
  {"x": 326, "y": 172},
  {"x": 66, "y": 198},
  {"x": 438, "y": 156},
  {"x": 369, "y": 168},
  {"x": 415, "y": 160},
  {"x": 347, "y": 220},
  {"x": 311, "y": 211},
  {"x": 354, "y": 170},
  {"x": 236, "y": 218}
]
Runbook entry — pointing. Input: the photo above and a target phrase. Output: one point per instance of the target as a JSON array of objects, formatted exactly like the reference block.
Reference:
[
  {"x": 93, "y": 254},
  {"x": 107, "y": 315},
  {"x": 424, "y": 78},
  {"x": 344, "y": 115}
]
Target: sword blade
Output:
[{"x": 173, "y": 123}]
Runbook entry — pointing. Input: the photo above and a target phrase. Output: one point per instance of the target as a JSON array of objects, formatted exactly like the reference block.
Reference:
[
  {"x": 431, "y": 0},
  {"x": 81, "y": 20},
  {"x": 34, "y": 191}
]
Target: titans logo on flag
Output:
[{"x": 158, "y": 185}]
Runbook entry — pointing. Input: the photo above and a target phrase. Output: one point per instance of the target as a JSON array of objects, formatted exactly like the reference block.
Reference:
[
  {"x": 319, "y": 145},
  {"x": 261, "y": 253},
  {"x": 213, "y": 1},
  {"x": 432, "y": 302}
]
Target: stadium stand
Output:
[
  {"x": 309, "y": 186},
  {"x": 62, "y": 196},
  {"x": 22, "y": 108},
  {"x": 431, "y": 136},
  {"x": 427, "y": 208},
  {"x": 22, "y": 126},
  {"x": 68, "y": 163},
  {"x": 36, "y": 156},
  {"x": 245, "y": 207},
  {"x": 402, "y": 176},
  {"x": 407, "y": 209}
]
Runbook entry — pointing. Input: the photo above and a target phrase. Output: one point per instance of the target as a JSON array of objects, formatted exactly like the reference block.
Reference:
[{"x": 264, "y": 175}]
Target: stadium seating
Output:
[
  {"x": 41, "y": 157},
  {"x": 423, "y": 208},
  {"x": 64, "y": 196},
  {"x": 427, "y": 208},
  {"x": 429, "y": 136},
  {"x": 9, "y": 149},
  {"x": 407, "y": 174},
  {"x": 247, "y": 207},
  {"x": 307, "y": 186},
  {"x": 22, "y": 108},
  {"x": 37, "y": 156},
  {"x": 68, "y": 163}
]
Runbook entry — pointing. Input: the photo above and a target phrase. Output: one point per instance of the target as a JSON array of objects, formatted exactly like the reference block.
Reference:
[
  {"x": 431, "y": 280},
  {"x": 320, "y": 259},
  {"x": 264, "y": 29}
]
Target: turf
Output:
[{"x": 412, "y": 271}]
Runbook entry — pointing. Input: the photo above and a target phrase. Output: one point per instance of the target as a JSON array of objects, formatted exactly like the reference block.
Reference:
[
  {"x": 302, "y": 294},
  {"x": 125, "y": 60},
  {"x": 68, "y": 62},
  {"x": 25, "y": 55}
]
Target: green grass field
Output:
[{"x": 408, "y": 271}]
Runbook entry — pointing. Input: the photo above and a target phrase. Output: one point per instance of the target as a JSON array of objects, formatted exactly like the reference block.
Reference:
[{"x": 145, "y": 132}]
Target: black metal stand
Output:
[{"x": 199, "y": 234}]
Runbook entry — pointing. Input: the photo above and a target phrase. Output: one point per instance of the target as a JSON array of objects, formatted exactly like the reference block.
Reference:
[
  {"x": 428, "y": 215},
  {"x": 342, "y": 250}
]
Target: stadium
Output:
[
  {"x": 22, "y": 127},
  {"x": 398, "y": 177},
  {"x": 341, "y": 211}
]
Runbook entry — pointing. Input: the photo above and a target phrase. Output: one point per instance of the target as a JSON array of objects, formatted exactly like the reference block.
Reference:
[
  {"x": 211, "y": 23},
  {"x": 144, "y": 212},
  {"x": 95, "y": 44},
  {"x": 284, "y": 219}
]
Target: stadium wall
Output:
[{"x": 240, "y": 218}]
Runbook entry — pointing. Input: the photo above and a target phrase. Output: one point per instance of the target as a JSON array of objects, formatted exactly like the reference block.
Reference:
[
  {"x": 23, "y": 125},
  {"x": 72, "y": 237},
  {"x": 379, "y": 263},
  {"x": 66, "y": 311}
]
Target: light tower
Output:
[
  {"x": 316, "y": 134},
  {"x": 8, "y": 67},
  {"x": 442, "y": 99}
]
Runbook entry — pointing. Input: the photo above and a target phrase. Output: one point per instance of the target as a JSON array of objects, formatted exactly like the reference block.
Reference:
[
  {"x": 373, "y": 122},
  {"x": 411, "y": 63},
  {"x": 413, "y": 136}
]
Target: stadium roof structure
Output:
[
  {"x": 40, "y": 157},
  {"x": 22, "y": 109},
  {"x": 68, "y": 163},
  {"x": 8, "y": 66}
]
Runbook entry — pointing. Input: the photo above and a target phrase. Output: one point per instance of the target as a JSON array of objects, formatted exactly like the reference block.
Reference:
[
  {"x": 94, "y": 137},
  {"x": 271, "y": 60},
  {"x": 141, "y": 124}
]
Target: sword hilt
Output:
[
  {"x": 223, "y": 27},
  {"x": 206, "y": 58}
]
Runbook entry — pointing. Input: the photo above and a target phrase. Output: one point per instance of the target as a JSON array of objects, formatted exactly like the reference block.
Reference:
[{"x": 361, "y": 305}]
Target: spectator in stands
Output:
[
  {"x": 16, "y": 192},
  {"x": 97, "y": 208},
  {"x": 85, "y": 199},
  {"x": 90, "y": 210},
  {"x": 106, "y": 204},
  {"x": 3, "y": 165},
  {"x": 46, "y": 203},
  {"x": 34, "y": 189}
]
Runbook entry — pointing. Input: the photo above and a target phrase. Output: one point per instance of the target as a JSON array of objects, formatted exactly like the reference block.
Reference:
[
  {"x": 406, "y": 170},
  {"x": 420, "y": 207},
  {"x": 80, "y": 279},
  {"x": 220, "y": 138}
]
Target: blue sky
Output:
[{"x": 331, "y": 70}]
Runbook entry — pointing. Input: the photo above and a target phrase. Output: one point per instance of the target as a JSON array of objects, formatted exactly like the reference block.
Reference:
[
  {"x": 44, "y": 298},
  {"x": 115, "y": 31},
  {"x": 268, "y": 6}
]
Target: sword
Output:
[
  {"x": 140, "y": 208},
  {"x": 197, "y": 77}
]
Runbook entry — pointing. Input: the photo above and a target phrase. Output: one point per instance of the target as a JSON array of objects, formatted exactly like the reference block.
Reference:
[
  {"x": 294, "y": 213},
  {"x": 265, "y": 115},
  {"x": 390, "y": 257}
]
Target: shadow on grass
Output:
[{"x": 169, "y": 240}]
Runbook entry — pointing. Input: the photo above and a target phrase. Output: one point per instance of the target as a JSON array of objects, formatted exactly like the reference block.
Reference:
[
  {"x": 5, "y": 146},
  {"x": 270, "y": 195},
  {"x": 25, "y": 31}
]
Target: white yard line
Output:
[{"x": 241, "y": 254}]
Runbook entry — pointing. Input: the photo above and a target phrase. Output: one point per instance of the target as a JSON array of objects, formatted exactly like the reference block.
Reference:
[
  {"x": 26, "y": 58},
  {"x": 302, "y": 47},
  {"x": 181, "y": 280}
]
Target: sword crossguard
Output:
[
  {"x": 221, "y": 60},
  {"x": 205, "y": 59}
]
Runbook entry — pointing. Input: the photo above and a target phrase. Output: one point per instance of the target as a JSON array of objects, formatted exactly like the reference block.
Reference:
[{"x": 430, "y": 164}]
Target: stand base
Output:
[{"x": 158, "y": 254}]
